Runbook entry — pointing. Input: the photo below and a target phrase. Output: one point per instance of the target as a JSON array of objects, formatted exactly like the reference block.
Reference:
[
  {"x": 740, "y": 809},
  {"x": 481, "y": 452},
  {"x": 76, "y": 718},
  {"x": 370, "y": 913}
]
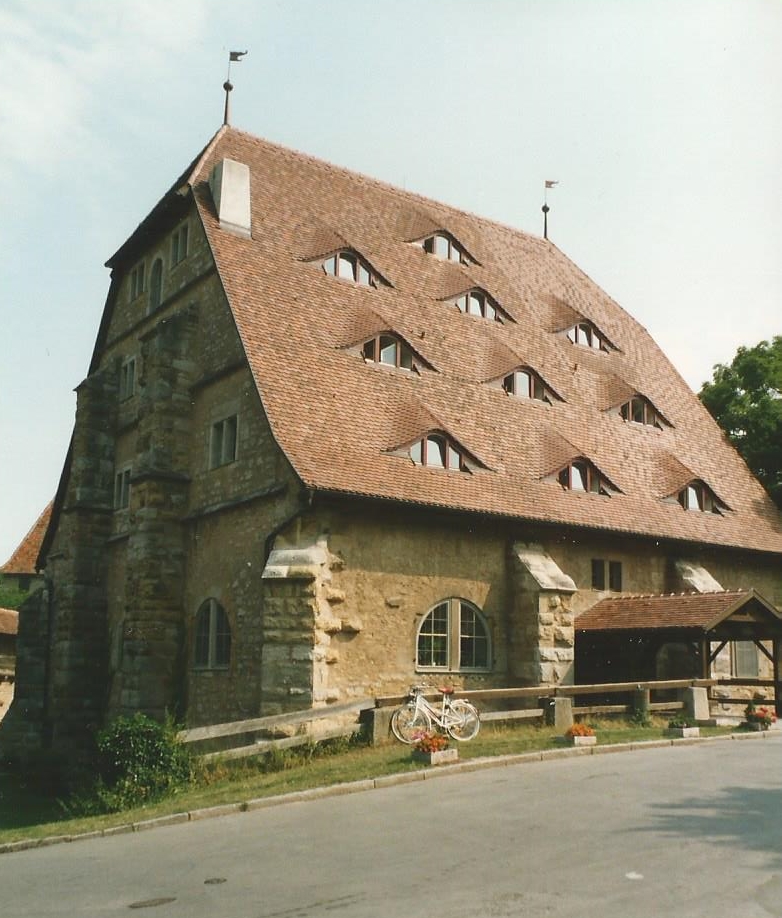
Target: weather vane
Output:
[
  {"x": 228, "y": 86},
  {"x": 547, "y": 184}
]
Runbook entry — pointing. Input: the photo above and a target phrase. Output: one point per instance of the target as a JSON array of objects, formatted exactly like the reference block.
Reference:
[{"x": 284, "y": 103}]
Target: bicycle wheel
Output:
[
  {"x": 468, "y": 723},
  {"x": 408, "y": 721}
]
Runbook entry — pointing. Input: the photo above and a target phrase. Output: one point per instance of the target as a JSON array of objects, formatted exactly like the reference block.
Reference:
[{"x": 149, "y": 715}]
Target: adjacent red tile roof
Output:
[
  {"x": 675, "y": 610},
  {"x": 23, "y": 560},
  {"x": 336, "y": 417},
  {"x": 9, "y": 621}
]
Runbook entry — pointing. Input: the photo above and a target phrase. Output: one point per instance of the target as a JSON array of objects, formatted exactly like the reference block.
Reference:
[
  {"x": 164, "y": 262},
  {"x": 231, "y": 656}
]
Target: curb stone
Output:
[{"x": 367, "y": 784}]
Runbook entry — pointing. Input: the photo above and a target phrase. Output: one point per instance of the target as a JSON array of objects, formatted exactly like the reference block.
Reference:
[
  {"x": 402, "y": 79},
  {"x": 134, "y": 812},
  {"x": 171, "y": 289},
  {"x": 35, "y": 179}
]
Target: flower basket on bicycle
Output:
[{"x": 457, "y": 718}]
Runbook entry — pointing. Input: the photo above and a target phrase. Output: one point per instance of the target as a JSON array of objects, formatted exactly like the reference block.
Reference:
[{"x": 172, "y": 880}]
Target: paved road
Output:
[{"x": 689, "y": 832}]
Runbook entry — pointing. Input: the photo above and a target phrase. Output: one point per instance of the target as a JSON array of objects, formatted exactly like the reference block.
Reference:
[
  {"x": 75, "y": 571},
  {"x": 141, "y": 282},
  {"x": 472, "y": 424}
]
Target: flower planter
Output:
[
  {"x": 582, "y": 740},
  {"x": 441, "y": 757},
  {"x": 756, "y": 726},
  {"x": 683, "y": 732}
]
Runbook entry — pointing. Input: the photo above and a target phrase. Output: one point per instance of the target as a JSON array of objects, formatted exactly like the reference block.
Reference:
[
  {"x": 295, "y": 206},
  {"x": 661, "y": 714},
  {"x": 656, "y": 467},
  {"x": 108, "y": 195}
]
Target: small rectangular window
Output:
[
  {"x": 122, "y": 489},
  {"x": 127, "y": 379},
  {"x": 222, "y": 448},
  {"x": 179, "y": 245},
  {"x": 137, "y": 281},
  {"x": 614, "y": 570}
]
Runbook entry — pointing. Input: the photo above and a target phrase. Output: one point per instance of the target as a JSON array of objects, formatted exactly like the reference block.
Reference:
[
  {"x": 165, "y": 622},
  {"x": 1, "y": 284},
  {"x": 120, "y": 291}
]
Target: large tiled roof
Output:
[
  {"x": 700, "y": 611},
  {"x": 23, "y": 560},
  {"x": 339, "y": 419}
]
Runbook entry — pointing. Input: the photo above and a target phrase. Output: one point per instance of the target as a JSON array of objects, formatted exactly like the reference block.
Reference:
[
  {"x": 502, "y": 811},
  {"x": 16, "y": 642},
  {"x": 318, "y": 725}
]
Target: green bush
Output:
[{"x": 140, "y": 760}]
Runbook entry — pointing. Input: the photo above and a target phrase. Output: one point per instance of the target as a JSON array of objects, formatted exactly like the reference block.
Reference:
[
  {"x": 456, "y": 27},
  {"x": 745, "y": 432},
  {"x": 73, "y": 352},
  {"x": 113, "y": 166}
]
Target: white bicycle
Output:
[{"x": 458, "y": 718}]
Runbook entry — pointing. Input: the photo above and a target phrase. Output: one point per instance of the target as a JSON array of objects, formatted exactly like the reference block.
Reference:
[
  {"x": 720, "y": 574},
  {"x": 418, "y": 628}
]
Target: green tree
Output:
[
  {"x": 745, "y": 398},
  {"x": 11, "y": 597}
]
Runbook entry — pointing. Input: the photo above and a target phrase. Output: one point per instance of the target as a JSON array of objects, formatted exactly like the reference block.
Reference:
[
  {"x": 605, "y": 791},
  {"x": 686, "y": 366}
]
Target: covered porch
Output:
[{"x": 675, "y": 636}]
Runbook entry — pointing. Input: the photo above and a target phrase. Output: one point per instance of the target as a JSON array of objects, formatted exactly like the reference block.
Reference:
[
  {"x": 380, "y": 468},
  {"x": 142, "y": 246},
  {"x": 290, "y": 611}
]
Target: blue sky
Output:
[{"x": 661, "y": 119}]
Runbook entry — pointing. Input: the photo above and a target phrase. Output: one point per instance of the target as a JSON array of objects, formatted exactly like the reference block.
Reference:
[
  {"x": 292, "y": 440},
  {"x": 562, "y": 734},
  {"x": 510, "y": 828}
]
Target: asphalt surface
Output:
[{"x": 685, "y": 830}]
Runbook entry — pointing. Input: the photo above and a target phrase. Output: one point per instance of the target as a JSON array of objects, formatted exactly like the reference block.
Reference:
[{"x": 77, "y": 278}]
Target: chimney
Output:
[{"x": 230, "y": 187}]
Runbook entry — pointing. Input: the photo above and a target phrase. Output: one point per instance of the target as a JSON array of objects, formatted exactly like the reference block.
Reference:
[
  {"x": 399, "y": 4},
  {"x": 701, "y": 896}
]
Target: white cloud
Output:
[{"x": 56, "y": 59}]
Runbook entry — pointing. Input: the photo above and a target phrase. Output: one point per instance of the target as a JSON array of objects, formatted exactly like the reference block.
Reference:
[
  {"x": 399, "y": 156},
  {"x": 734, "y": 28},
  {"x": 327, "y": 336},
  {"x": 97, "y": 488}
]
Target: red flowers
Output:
[
  {"x": 580, "y": 730},
  {"x": 431, "y": 742}
]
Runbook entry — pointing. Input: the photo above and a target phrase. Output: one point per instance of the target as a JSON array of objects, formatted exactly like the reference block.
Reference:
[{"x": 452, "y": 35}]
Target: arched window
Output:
[
  {"x": 155, "y": 284},
  {"x": 349, "y": 266},
  {"x": 453, "y": 636},
  {"x": 212, "y": 637}
]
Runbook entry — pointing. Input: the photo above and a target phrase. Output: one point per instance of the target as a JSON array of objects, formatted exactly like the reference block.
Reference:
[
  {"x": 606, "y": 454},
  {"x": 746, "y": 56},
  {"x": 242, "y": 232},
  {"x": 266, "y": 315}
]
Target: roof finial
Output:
[
  {"x": 547, "y": 184},
  {"x": 228, "y": 85}
]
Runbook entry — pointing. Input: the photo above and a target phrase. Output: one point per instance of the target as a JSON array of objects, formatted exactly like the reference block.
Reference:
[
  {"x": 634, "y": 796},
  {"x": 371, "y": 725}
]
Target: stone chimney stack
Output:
[{"x": 230, "y": 187}]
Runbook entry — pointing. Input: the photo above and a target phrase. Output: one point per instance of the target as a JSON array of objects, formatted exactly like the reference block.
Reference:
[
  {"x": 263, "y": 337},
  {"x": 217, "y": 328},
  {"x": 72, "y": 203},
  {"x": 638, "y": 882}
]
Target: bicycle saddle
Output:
[{"x": 447, "y": 690}]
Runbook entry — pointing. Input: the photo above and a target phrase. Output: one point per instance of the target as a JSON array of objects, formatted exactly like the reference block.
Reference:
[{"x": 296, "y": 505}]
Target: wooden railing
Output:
[
  {"x": 251, "y": 737},
  {"x": 234, "y": 736}
]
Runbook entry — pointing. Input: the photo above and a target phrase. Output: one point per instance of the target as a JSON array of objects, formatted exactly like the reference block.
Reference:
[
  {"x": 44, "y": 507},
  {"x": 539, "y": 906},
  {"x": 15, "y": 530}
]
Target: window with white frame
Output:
[
  {"x": 179, "y": 242},
  {"x": 453, "y": 636},
  {"x": 223, "y": 442},
  {"x": 212, "y": 649},
  {"x": 127, "y": 378},
  {"x": 122, "y": 489}
]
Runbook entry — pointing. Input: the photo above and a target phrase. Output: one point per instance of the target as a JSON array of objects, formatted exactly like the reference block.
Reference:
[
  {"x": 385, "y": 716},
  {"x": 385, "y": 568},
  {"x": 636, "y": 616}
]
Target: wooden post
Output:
[
  {"x": 776, "y": 649},
  {"x": 641, "y": 698}
]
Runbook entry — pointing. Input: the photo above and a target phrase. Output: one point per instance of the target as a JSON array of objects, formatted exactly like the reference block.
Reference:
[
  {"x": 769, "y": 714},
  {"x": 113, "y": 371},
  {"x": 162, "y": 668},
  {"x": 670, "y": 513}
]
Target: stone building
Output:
[{"x": 336, "y": 437}]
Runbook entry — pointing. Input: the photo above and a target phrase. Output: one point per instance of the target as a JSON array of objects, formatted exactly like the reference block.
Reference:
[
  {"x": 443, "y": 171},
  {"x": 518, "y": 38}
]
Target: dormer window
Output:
[
  {"x": 586, "y": 335},
  {"x": 582, "y": 475},
  {"x": 640, "y": 410},
  {"x": 440, "y": 452},
  {"x": 389, "y": 351},
  {"x": 477, "y": 302},
  {"x": 699, "y": 497},
  {"x": 525, "y": 383},
  {"x": 443, "y": 246},
  {"x": 350, "y": 266}
]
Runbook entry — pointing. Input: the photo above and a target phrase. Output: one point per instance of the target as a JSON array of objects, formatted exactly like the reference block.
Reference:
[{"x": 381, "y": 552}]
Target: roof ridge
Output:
[{"x": 402, "y": 193}]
